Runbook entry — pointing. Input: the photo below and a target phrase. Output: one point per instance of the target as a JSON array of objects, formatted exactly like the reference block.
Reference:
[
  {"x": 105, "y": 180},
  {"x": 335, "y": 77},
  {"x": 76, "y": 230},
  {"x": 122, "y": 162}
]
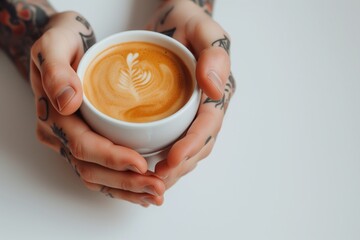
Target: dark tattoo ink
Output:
[
  {"x": 64, "y": 151},
  {"x": 228, "y": 92},
  {"x": 105, "y": 190},
  {"x": 76, "y": 171},
  {"x": 87, "y": 40},
  {"x": 21, "y": 24},
  {"x": 224, "y": 43},
  {"x": 163, "y": 18},
  {"x": 169, "y": 32},
  {"x": 40, "y": 58},
  {"x": 59, "y": 133},
  {"x": 207, "y": 5},
  {"x": 218, "y": 103},
  {"x": 208, "y": 140},
  {"x": 44, "y": 116},
  {"x": 83, "y": 21}
]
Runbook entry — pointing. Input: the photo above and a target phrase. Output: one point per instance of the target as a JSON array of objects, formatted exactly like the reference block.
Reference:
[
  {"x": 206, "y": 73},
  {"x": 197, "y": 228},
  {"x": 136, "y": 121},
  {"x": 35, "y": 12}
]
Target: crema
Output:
[{"x": 137, "y": 82}]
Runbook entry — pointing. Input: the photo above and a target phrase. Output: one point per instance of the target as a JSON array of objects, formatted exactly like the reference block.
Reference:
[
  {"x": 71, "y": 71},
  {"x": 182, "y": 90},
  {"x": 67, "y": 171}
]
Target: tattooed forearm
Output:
[{"x": 21, "y": 24}]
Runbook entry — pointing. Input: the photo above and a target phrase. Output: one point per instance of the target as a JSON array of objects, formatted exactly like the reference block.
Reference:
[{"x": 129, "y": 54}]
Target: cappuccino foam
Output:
[{"x": 137, "y": 82}]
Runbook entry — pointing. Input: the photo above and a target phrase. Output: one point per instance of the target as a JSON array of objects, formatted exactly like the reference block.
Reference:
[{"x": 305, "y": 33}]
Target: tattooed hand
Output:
[
  {"x": 116, "y": 171},
  {"x": 190, "y": 22}
]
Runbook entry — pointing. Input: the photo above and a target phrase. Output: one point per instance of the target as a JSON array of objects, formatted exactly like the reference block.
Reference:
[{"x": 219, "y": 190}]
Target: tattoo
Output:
[
  {"x": 64, "y": 151},
  {"x": 44, "y": 116},
  {"x": 40, "y": 58},
  {"x": 169, "y": 32},
  {"x": 217, "y": 103},
  {"x": 105, "y": 190},
  {"x": 224, "y": 43},
  {"x": 228, "y": 92},
  {"x": 21, "y": 24},
  {"x": 88, "y": 40},
  {"x": 59, "y": 133},
  {"x": 164, "y": 17},
  {"x": 83, "y": 21},
  {"x": 207, "y": 5},
  {"x": 208, "y": 140}
]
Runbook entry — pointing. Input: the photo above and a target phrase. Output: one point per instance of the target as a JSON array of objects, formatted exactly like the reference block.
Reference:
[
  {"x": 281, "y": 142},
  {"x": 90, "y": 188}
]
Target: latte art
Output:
[{"x": 137, "y": 82}]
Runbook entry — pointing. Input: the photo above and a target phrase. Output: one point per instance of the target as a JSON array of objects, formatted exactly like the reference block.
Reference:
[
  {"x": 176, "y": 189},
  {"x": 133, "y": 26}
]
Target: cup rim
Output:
[{"x": 98, "y": 47}]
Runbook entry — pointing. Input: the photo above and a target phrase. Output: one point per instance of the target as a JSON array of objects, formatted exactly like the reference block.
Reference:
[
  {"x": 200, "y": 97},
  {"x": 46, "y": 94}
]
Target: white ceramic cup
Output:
[{"x": 149, "y": 138}]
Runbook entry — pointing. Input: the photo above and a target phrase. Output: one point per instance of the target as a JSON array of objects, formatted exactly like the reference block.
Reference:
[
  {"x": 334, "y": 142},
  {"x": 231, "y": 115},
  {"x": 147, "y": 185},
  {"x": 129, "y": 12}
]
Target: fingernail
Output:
[
  {"x": 151, "y": 190},
  {"x": 65, "y": 97},
  {"x": 216, "y": 80},
  {"x": 149, "y": 200},
  {"x": 133, "y": 169}
]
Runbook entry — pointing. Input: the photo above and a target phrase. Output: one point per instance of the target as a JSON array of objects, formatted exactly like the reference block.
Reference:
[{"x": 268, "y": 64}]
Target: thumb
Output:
[
  {"x": 212, "y": 71},
  {"x": 53, "y": 55},
  {"x": 212, "y": 51}
]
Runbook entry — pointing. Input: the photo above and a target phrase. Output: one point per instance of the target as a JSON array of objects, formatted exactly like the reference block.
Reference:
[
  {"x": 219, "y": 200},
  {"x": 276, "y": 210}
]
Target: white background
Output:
[{"x": 285, "y": 166}]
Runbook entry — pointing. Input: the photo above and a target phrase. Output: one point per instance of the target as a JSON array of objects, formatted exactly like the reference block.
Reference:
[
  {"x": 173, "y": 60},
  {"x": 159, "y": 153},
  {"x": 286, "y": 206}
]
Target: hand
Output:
[
  {"x": 117, "y": 171},
  {"x": 192, "y": 26}
]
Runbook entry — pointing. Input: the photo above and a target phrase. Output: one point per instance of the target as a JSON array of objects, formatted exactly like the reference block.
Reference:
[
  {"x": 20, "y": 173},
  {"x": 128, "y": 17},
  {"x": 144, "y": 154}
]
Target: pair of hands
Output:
[{"x": 117, "y": 171}]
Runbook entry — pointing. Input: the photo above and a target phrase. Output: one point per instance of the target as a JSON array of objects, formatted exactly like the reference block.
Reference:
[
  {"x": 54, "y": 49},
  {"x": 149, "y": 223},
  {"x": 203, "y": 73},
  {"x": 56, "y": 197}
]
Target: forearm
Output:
[{"x": 21, "y": 23}]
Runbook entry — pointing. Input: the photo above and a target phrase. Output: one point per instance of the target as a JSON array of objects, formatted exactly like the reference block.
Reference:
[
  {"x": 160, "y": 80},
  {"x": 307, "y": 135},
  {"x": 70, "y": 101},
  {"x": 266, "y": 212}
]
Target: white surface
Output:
[{"x": 287, "y": 161}]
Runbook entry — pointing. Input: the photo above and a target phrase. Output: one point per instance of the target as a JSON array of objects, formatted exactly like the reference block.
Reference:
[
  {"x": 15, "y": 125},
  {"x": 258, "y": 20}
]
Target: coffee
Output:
[{"x": 137, "y": 82}]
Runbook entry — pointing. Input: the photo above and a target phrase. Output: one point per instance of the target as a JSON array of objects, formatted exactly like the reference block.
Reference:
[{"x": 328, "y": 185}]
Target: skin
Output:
[{"x": 28, "y": 31}]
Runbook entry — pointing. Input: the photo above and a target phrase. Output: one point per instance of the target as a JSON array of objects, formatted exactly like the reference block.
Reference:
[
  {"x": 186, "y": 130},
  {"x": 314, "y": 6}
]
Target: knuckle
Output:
[
  {"x": 85, "y": 172},
  {"x": 126, "y": 185},
  {"x": 110, "y": 162},
  {"x": 90, "y": 186},
  {"x": 41, "y": 135},
  {"x": 51, "y": 74},
  {"x": 35, "y": 48},
  {"x": 77, "y": 149}
]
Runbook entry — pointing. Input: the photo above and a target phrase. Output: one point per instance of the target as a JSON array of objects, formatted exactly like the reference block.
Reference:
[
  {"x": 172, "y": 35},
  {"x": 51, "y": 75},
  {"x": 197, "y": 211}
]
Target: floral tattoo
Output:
[{"x": 21, "y": 24}]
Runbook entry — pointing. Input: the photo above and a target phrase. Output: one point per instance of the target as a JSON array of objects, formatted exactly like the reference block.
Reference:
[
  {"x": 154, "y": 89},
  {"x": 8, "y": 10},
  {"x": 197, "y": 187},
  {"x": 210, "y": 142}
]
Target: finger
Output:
[
  {"x": 88, "y": 146},
  {"x": 205, "y": 128},
  {"x": 126, "y": 181},
  {"x": 171, "y": 175},
  {"x": 143, "y": 199},
  {"x": 59, "y": 79},
  {"x": 46, "y": 138},
  {"x": 211, "y": 49},
  {"x": 83, "y": 143}
]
